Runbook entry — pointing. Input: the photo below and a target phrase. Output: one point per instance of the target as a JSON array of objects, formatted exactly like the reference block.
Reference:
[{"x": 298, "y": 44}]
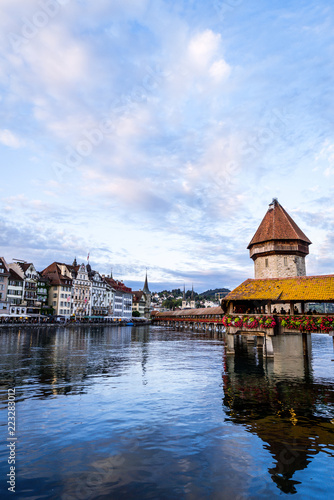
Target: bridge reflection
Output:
[{"x": 278, "y": 400}]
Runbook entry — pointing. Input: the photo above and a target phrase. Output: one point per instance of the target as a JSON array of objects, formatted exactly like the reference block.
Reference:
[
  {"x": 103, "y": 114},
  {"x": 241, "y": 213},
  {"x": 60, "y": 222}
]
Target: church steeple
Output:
[
  {"x": 146, "y": 289},
  {"x": 192, "y": 299},
  {"x": 184, "y": 293}
]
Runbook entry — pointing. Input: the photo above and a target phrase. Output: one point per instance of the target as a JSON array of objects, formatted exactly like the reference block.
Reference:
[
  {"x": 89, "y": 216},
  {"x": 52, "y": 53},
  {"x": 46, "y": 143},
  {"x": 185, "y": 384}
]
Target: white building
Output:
[
  {"x": 99, "y": 293},
  {"x": 81, "y": 291},
  {"x": 15, "y": 293},
  {"x": 31, "y": 277},
  {"x": 122, "y": 299}
]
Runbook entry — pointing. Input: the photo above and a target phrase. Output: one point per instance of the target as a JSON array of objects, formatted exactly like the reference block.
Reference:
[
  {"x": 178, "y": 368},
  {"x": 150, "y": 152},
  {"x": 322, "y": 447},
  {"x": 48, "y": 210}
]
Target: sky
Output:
[{"x": 153, "y": 134}]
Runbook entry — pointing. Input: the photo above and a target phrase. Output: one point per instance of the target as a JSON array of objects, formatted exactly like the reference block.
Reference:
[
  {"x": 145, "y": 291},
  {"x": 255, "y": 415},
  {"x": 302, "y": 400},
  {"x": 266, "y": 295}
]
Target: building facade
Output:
[
  {"x": 43, "y": 286},
  {"x": 122, "y": 299},
  {"x": 4, "y": 277},
  {"x": 139, "y": 302},
  {"x": 99, "y": 293},
  {"x": 60, "y": 289},
  {"x": 15, "y": 293},
  {"x": 82, "y": 291},
  {"x": 31, "y": 277}
]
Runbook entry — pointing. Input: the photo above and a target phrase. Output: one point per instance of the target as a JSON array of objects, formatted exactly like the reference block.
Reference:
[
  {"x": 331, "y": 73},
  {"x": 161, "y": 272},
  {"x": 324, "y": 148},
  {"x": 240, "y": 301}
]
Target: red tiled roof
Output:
[
  {"x": 277, "y": 225},
  {"x": 136, "y": 296},
  {"x": 300, "y": 288},
  {"x": 53, "y": 272},
  {"x": 118, "y": 285},
  {"x": 24, "y": 266},
  {"x": 4, "y": 265},
  {"x": 14, "y": 275}
]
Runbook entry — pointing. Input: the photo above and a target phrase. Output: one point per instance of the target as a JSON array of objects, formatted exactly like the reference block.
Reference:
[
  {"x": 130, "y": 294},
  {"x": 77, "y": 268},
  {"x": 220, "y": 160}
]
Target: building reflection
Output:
[
  {"x": 61, "y": 362},
  {"x": 278, "y": 400}
]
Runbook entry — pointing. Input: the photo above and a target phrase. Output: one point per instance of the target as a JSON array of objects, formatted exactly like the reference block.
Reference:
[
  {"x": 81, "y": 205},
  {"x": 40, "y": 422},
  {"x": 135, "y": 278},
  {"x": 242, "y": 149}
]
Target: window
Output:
[
  {"x": 267, "y": 263},
  {"x": 285, "y": 261},
  {"x": 54, "y": 295}
]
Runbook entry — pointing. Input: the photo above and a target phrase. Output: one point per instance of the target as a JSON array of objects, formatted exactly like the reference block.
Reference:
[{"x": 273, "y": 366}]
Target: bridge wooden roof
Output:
[
  {"x": 191, "y": 312},
  {"x": 298, "y": 289}
]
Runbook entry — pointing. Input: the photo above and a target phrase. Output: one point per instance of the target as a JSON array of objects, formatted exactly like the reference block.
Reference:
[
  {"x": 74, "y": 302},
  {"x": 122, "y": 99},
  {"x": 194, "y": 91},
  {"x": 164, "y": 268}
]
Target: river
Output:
[{"x": 154, "y": 413}]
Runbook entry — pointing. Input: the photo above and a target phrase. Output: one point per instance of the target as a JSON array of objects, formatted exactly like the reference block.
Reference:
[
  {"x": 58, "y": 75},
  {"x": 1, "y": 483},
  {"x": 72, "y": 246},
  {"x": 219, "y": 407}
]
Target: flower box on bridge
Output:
[{"x": 250, "y": 324}]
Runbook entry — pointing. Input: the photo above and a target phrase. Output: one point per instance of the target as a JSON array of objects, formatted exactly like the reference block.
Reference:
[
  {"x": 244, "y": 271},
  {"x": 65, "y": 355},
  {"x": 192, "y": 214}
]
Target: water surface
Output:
[{"x": 153, "y": 413}]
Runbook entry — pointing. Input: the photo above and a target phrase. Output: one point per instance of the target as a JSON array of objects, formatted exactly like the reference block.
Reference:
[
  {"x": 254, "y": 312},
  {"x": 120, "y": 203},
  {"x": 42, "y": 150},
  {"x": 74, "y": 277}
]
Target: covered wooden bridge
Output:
[{"x": 268, "y": 306}]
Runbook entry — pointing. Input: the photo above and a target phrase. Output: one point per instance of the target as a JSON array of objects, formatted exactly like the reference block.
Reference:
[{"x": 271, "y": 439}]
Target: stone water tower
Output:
[{"x": 279, "y": 246}]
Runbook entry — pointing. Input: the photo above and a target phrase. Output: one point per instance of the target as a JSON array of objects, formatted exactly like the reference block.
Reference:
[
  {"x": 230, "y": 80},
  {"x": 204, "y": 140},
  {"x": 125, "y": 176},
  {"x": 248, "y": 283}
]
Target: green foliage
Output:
[
  {"x": 135, "y": 314},
  {"x": 171, "y": 303}
]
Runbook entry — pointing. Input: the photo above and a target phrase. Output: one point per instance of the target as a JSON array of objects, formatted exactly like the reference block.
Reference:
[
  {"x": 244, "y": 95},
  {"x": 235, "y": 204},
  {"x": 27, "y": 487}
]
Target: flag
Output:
[{"x": 88, "y": 256}]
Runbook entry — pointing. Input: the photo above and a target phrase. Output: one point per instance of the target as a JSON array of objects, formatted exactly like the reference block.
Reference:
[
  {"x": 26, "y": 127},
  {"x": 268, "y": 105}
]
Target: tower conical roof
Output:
[{"x": 277, "y": 225}]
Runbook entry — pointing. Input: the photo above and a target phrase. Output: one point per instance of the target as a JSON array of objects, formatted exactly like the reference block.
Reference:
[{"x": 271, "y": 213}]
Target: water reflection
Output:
[
  {"x": 61, "y": 361},
  {"x": 278, "y": 400}
]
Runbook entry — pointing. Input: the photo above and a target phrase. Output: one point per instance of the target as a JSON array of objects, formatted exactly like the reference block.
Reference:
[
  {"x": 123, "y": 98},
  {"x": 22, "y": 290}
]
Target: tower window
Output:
[
  {"x": 267, "y": 263},
  {"x": 285, "y": 261}
]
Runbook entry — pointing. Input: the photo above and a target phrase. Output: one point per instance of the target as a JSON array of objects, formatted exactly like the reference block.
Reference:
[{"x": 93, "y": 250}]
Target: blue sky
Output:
[{"x": 154, "y": 134}]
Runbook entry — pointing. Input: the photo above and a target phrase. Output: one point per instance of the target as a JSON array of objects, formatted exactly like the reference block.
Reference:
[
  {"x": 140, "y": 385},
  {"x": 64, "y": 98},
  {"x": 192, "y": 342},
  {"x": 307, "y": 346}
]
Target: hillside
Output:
[{"x": 210, "y": 294}]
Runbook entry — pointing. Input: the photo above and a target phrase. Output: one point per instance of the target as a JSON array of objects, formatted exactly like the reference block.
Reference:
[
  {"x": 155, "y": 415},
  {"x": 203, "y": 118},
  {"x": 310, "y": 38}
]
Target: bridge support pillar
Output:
[
  {"x": 230, "y": 344},
  {"x": 268, "y": 349}
]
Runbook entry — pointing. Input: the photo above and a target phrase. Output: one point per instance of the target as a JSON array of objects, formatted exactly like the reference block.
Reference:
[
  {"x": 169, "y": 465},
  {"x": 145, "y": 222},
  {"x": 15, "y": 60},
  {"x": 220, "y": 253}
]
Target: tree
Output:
[{"x": 171, "y": 303}]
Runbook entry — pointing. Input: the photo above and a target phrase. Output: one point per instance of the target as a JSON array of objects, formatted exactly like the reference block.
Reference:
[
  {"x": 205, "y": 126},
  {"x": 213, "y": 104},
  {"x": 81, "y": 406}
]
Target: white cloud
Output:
[
  {"x": 203, "y": 47},
  {"x": 7, "y": 138},
  {"x": 220, "y": 70}
]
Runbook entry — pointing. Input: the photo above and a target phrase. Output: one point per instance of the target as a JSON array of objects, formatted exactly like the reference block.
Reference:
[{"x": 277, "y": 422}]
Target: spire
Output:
[
  {"x": 146, "y": 289},
  {"x": 75, "y": 262},
  {"x": 184, "y": 292},
  {"x": 192, "y": 292},
  {"x": 111, "y": 273}
]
